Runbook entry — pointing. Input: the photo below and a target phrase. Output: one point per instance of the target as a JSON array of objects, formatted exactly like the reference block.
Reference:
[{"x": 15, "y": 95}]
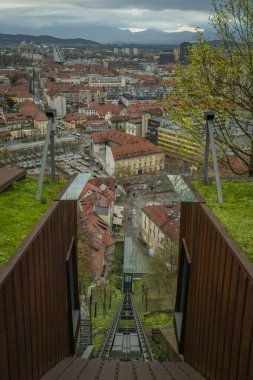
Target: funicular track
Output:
[{"x": 126, "y": 339}]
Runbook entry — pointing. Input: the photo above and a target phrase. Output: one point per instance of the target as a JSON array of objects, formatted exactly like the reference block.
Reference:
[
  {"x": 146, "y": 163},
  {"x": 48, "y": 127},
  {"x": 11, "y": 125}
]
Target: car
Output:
[
  {"x": 133, "y": 211},
  {"x": 158, "y": 183},
  {"x": 145, "y": 186},
  {"x": 139, "y": 187}
]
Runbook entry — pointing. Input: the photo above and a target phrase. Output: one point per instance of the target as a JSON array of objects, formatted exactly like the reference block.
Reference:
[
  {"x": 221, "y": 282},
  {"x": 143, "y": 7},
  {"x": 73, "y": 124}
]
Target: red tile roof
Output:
[
  {"x": 76, "y": 116},
  {"x": 31, "y": 109},
  {"x": 117, "y": 137},
  {"x": 165, "y": 218},
  {"x": 97, "y": 192},
  {"x": 143, "y": 148}
]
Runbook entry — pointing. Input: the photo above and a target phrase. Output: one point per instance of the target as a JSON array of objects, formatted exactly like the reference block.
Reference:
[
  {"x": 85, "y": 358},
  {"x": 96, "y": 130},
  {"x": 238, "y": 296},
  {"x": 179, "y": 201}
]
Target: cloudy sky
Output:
[{"x": 74, "y": 18}]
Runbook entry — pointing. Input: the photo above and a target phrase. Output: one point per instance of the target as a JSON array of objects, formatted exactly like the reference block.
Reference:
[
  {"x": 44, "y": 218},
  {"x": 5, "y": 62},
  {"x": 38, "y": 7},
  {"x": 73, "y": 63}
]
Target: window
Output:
[{"x": 182, "y": 296}]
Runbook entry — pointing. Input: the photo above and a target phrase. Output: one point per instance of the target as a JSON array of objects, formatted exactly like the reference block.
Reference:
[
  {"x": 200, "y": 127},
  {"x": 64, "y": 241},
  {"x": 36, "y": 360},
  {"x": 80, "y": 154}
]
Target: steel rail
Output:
[
  {"x": 147, "y": 353},
  {"x": 107, "y": 346}
]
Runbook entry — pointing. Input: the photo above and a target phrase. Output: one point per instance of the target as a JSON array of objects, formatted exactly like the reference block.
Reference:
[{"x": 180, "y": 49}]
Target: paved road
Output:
[{"x": 132, "y": 223}]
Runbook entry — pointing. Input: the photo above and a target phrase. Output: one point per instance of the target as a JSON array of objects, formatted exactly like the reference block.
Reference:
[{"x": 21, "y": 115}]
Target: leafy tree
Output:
[
  {"x": 10, "y": 103},
  {"x": 164, "y": 267},
  {"x": 220, "y": 77},
  {"x": 85, "y": 273}
]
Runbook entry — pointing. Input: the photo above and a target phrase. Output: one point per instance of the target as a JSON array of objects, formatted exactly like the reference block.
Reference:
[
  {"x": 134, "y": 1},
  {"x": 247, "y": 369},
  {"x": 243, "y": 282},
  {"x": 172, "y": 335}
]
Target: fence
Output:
[
  {"x": 216, "y": 307},
  {"x": 37, "y": 299}
]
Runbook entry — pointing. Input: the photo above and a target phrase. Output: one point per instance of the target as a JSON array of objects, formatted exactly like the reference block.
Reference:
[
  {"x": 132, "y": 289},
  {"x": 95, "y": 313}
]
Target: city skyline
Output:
[{"x": 99, "y": 18}]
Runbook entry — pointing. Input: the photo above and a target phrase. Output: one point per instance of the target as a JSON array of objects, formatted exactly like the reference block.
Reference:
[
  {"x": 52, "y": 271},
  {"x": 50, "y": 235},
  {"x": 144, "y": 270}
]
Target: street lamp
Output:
[{"x": 209, "y": 117}]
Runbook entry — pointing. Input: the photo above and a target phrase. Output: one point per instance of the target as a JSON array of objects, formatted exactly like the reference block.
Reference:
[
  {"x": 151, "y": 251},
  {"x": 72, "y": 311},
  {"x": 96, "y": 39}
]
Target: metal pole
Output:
[
  {"x": 205, "y": 176},
  {"x": 215, "y": 162},
  {"x": 43, "y": 162},
  {"x": 52, "y": 151}
]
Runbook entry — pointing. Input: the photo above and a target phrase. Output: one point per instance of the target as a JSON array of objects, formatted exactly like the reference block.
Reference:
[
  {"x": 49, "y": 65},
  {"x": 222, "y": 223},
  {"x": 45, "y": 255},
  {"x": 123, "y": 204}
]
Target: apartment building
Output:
[
  {"x": 133, "y": 159},
  {"x": 57, "y": 101},
  {"x": 91, "y": 94},
  {"x": 105, "y": 81},
  {"x": 40, "y": 120},
  {"x": 96, "y": 205},
  {"x": 125, "y": 154},
  {"x": 160, "y": 225},
  {"x": 134, "y": 127},
  {"x": 30, "y": 121},
  {"x": 178, "y": 144},
  {"x": 20, "y": 125}
]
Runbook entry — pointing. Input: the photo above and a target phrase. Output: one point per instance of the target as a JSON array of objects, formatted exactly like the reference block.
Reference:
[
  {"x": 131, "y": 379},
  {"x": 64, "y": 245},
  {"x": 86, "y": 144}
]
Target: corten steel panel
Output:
[
  {"x": 33, "y": 293},
  {"x": 246, "y": 336},
  {"x": 18, "y": 300},
  {"x": 38, "y": 303},
  {"x": 4, "y": 365},
  {"x": 9, "y": 305},
  {"x": 27, "y": 317},
  {"x": 219, "y": 324},
  {"x": 8, "y": 176}
]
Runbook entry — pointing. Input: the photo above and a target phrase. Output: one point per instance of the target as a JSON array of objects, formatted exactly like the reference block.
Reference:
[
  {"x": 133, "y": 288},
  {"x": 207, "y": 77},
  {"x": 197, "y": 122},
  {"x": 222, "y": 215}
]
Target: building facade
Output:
[{"x": 178, "y": 144}]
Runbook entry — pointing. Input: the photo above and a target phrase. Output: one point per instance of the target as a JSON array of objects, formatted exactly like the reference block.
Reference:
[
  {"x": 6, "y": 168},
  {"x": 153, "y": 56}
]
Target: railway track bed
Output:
[{"x": 126, "y": 339}]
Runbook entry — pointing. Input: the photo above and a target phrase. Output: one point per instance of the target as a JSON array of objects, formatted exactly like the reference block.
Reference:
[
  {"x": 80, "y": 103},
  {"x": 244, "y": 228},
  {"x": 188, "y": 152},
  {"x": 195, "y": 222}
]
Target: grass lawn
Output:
[
  {"x": 155, "y": 315},
  {"x": 118, "y": 258},
  {"x": 100, "y": 324},
  {"x": 20, "y": 212},
  {"x": 165, "y": 301},
  {"x": 236, "y": 213},
  {"x": 100, "y": 321}
]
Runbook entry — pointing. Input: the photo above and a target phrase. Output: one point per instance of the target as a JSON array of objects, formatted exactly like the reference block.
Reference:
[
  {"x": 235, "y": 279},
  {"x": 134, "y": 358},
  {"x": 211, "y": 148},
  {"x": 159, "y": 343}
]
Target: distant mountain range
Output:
[
  {"x": 6, "y": 39},
  {"x": 104, "y": 35},
  {"x": 146, "y": 37}
]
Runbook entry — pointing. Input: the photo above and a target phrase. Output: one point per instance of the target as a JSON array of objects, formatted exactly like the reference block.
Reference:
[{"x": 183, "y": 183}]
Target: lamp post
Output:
[{"x": 209, "y": 117}]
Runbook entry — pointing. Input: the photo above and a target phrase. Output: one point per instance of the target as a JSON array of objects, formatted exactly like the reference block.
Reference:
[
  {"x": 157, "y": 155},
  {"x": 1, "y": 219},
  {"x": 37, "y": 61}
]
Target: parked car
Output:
[
  {"x": 133, "y": 211},
  {"x": 145, "y": 186},
  {"x": 158, "y": 183}
]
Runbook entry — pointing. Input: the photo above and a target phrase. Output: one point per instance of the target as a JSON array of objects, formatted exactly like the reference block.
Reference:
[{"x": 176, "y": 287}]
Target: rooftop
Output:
[
  {"x": 166, "y": 218},
  {"x": 143, "y": 148}
]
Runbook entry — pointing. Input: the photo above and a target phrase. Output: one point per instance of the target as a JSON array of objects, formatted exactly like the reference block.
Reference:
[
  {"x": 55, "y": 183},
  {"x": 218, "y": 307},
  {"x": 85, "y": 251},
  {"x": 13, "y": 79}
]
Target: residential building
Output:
[
  {"x": 166, "y": 57},
  {"x": 103, "y": 81},
  {"x": 57, "y": 102},
  {"x": 20, "y": 125},
  {"x": 160, "y": 225},
  {"x": 133, "y": 159},
  {"x": 153, "y": 124},
  {"x": 40, "y": 119},
  {"x": 74, "y": 120},
  {"x": 96, "y": 205},
  {"x": 90, "y": 94},
  {"x": 134, "y": 127},
  {"x": 178, "y": 144}
]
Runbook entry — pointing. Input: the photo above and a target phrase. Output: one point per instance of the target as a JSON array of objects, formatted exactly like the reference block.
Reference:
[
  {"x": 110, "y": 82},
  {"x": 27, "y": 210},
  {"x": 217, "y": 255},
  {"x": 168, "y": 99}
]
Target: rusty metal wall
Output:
[
  {"x": 219, "y": 318},
  {"x": 34, "y": 313}
]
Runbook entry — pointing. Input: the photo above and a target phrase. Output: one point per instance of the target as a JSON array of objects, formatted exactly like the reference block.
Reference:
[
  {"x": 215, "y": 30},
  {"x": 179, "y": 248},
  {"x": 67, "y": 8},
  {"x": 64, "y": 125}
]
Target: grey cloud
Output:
[
  {"x": 198, "y": 5},
  {"x": 70, "y": 16}
]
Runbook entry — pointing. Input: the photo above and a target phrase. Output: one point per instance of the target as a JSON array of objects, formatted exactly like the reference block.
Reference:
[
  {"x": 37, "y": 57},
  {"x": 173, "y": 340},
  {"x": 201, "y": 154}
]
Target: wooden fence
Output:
[
  {"x": 35, "y": 316},
  {"x": 218, "y": 314}
]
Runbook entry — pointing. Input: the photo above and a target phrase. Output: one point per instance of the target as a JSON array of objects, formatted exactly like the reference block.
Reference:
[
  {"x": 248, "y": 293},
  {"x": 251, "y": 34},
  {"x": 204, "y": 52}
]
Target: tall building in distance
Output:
[
  {"x": 184, "y": 52},
  {"x": 166, "y": 57}
]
